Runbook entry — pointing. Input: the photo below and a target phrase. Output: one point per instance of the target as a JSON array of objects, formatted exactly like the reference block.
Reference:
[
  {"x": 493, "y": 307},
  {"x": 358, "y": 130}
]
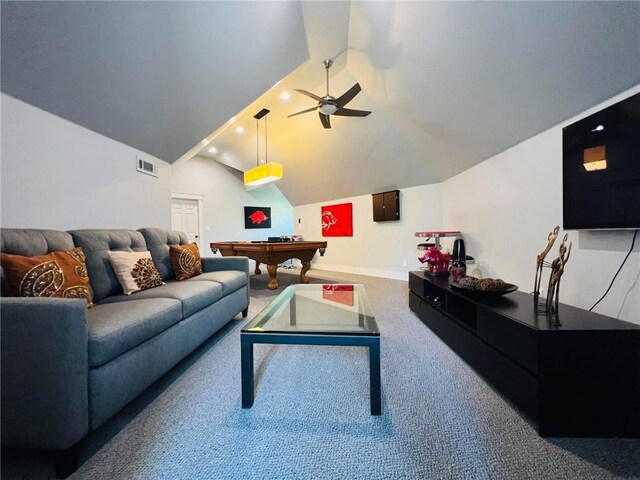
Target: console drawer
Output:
[{"x": 516, "y": 341}]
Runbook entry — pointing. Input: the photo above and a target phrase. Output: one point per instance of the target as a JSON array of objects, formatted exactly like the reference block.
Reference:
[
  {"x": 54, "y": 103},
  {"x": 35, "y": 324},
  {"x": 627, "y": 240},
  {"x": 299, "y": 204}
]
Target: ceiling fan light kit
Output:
[
  {"x": 268, "y": 172},
  {"x": 329, "y": 105}
]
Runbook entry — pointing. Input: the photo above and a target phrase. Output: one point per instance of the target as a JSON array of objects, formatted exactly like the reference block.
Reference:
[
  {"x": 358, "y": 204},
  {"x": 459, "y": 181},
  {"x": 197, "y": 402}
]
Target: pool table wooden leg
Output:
[
  {"x": 273, "y": 283},
  {"x": 257, "y": 270},
  {"x": 305, "y": 268}
]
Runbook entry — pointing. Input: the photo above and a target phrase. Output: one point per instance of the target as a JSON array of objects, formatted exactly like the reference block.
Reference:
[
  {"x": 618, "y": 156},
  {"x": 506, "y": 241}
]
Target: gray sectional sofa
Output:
[{"x": 66, "y": 369}]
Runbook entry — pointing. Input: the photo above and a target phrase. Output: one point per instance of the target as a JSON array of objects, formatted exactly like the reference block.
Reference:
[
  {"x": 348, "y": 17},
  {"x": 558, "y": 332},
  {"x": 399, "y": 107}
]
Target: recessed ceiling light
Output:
[
  {"x": 239, "y": 129},
  {"x": 599, "y": 128},
  {"x": 285, "y": 96},
  {"x": 213, "y": 150}
]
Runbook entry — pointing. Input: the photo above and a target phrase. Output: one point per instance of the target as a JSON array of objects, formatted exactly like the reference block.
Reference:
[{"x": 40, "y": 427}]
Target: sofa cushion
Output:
[
  {"x": 116, "y": 328},
  {"x": 194, "y": 295},
  {"x": 158, "y": 241},
  {"x": 96, "y": 244},
  {"x": 185, "y": 260},
  {"x": 231, "y": 280},
  {"x": 56, "y": 274},
  {"x": 135, "y": 271}
]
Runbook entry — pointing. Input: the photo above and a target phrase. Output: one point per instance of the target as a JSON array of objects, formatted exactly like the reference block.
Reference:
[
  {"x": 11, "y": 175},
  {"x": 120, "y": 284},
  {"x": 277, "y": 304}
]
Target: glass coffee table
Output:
[{"x": 315, "y": 315}]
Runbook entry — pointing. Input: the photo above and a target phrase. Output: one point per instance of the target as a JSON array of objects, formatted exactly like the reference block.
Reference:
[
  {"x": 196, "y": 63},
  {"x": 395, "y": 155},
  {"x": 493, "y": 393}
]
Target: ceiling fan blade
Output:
[
  {"x": 302, "y": 111},
  {"x": 326, "y": 123},
  {"x": 309, "y": 94},
  {"x": 348, "y": 112},
  {"x": 348, "y": 95}
]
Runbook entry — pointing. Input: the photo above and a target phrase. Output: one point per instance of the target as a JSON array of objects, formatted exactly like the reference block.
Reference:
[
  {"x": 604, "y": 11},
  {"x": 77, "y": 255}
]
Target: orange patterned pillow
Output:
[
  {"x": 185, "y": 260},
  {"x": 57, "y": 274}
]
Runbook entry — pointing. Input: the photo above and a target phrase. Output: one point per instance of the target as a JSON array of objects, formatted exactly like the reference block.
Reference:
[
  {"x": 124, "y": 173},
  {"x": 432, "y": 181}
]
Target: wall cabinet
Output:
[
  {"x": 386, "y": 206},
  {"x": 580, "y": 379}
]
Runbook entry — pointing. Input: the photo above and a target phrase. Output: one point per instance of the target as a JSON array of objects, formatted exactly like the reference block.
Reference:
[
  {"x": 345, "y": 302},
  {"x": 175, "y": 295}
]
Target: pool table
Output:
[{"x": 272, "y": 254}]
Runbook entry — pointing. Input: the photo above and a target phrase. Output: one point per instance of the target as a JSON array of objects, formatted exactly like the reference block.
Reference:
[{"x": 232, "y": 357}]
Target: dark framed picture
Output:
[{"x": 257, "y": 217}]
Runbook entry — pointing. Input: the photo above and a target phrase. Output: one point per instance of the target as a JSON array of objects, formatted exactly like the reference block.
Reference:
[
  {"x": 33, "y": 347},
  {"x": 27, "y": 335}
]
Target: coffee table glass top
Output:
[{"x": 317, "y": 309}]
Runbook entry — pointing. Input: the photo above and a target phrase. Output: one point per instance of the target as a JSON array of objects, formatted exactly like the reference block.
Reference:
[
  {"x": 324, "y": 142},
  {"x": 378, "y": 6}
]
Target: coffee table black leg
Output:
[
  {"x": 374, "y": 378},
  {"x": 246, "y": 365}
]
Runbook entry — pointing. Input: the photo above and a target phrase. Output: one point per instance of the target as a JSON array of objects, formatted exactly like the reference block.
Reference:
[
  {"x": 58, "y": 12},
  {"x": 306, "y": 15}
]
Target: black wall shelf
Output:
[{"x": 581, "y": 379}]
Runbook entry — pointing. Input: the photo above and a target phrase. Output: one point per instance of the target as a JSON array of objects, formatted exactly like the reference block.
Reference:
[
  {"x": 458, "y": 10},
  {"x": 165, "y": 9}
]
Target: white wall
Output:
[
  {"x": 507, "y": 205},
  {"x": 224, "y": 199},
  {"x": 58, "y": 175},
  {"x": 377, "y": 249}
]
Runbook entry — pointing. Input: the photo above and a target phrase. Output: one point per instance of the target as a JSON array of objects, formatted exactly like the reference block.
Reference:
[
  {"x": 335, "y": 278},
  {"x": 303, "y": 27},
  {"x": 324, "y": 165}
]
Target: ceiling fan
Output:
[{"x": 329, "y": 105}]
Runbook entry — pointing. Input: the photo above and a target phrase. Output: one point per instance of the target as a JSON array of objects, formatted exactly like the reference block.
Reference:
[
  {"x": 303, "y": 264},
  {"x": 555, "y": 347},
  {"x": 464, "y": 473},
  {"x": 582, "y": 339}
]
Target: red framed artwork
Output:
[{"x": 337, "y": 220}]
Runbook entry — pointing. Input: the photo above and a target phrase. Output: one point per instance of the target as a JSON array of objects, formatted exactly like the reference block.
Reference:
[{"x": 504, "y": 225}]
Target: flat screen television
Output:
[{"x": 601, "y": 169}]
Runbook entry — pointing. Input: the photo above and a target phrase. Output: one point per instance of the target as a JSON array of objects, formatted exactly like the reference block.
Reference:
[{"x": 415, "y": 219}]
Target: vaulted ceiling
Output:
[{"x": 449, "y": 83}]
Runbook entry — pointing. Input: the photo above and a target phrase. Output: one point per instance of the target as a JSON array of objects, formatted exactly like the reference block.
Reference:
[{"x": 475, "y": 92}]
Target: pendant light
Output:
[{"x": 269, "y": 171}]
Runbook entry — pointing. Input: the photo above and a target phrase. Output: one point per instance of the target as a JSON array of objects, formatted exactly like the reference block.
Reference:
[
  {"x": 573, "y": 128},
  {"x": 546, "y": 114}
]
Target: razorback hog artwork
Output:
[{"x": 257, "y": 217}]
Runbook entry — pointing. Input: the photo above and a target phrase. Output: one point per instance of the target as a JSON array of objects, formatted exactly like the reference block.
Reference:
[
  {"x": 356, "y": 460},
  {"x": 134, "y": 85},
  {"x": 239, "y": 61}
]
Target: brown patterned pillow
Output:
[
  {"x": 185, "y": 260},
  {"x": 57, "y": 274},
  {"x": 135, "y": 271}
]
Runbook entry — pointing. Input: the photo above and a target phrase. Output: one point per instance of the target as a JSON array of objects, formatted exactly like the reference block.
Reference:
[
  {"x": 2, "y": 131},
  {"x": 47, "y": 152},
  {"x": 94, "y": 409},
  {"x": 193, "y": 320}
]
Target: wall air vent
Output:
[{"x": 145, "y": 166}]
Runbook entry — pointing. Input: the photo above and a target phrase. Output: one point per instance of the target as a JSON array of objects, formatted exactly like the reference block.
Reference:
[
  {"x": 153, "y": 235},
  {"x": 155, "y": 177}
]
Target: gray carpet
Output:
[{"x": 311, "y": 415}]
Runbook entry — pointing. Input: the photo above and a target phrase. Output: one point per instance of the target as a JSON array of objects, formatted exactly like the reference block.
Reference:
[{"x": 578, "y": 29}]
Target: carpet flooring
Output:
[{"x": 311, "y": 417}]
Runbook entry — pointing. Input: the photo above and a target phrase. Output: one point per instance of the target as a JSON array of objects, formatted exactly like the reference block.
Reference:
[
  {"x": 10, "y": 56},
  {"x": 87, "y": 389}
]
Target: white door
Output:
[{"x": 184, "y": 217}]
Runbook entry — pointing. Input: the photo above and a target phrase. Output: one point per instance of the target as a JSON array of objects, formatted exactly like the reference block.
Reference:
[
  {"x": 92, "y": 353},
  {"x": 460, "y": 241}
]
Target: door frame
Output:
[{"x": 200, "y": 199}]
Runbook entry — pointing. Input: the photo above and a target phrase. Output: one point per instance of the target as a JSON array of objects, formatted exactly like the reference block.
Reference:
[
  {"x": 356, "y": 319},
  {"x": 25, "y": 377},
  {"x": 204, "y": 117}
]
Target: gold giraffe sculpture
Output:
[
  {"x": 540, "y": 261},
  {"x": 557, "y": 269}
]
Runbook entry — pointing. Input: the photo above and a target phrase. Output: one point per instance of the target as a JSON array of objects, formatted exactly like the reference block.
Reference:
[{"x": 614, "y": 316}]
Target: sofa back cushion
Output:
[
  {"x": 158, "y": 240},
  {"x": 30, "y": 242},
  {"x": 95, "y": 244}
]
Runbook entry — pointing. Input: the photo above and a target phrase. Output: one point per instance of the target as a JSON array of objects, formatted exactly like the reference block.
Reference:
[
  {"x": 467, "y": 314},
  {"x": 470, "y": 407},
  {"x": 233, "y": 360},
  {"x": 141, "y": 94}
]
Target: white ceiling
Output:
[
  {"x": 449, "y": 83},
  {"x": 158, "y": 76}
]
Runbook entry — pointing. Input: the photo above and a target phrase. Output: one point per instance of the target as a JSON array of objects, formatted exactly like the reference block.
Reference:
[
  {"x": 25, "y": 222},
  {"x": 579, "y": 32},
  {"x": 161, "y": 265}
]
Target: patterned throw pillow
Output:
[
  {"x": 135, "y": 271},
  {"x": 185, "y": 260},
  {"x": 57, "y": 274}
]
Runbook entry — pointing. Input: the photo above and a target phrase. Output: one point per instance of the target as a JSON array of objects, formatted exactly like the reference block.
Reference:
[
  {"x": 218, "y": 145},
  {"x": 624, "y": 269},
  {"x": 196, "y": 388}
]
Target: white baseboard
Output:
[{"x": 372, "y": 272}]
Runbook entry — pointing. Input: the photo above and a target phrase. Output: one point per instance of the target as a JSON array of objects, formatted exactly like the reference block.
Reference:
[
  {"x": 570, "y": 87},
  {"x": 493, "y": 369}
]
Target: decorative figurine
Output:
[
  {"x": 438, "y": 262},
  {"x": 557, "y": 269},
  {"x": 540, "y": 261}
]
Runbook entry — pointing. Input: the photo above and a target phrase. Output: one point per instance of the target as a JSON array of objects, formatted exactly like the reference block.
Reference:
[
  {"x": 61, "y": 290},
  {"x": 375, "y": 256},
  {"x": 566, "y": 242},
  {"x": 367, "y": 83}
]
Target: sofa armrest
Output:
[
  {"x": 216, "y": 264},
  {"x": 44, "y": 372}
]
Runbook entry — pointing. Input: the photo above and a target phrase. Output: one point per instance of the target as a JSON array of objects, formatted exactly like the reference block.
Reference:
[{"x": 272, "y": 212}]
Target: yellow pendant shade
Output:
[{"x": 263, "y": 174}]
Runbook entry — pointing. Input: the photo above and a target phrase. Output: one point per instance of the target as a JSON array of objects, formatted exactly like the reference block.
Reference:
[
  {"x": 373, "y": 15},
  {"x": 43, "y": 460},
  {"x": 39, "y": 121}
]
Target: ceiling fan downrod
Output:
[{"x": 327, "y": 65}]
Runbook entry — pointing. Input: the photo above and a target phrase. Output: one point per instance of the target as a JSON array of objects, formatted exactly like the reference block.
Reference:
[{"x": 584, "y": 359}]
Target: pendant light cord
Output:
[
  {"x": 257, "y": 143},
  {"x": 261, "y": 114}
]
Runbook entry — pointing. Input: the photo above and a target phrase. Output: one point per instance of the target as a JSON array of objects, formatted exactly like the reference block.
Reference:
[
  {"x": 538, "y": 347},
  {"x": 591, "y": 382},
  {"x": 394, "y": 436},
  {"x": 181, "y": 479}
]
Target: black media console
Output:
[{"x": 581, "y": 379}]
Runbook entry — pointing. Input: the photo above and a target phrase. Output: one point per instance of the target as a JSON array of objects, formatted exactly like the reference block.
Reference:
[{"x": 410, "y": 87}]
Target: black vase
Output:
[
  {"x": 459, "y": 254},
  {"x": 458, "y": 260}
]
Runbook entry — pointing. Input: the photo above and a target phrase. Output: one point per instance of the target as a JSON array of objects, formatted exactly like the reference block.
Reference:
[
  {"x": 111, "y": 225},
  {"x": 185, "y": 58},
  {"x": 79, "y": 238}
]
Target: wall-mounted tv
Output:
[{"x": 601, "y": 169}]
